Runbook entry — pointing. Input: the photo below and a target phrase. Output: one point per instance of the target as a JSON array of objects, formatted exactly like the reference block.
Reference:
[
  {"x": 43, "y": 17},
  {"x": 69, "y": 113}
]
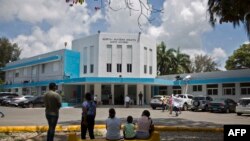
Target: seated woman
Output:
[
  {"x": 113, "y": 126},
  {"x": 144, "y": 126}
]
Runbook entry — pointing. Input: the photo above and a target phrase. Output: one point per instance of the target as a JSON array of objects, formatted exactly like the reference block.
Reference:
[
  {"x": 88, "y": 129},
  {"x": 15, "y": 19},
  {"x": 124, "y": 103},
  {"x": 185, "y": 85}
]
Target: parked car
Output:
[
  {"x": 36, "y": 101},
  {"x": 156, "y": 101},
  {"x": 201, "y": 103},
  {"x": 5, "y": 99},
  {"x": 186, "y": 101},
  {"x": 243, "y": 106},
  {"x": 15, "y": 101},
  {"x": 222, "y": 105}
]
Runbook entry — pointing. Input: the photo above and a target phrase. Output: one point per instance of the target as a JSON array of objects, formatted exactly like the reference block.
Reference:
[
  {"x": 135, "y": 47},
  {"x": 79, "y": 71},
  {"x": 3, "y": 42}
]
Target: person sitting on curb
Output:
[
  {"x": 113, "y": 126},
  {"x": 129, "y": 129},
  {"x": 144, "y": 126}
]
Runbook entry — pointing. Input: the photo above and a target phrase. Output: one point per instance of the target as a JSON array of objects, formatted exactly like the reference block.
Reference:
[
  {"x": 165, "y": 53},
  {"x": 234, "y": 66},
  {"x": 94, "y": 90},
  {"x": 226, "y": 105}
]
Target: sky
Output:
[{"x": 41, "y": 26}]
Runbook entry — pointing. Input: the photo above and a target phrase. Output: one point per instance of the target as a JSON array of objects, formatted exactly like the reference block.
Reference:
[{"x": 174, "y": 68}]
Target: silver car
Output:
[
  {"x": 243, "y": 106},
  {"x": 156, "y": 101},
  {"x": 201, "y": 103}
]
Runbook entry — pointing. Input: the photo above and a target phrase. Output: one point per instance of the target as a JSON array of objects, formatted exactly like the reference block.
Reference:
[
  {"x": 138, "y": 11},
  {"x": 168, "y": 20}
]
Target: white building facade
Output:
[{"x": 111, "y": 66}]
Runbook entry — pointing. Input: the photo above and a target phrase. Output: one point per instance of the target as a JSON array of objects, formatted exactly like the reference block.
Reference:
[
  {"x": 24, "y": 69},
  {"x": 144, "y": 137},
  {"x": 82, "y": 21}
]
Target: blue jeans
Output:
[{"x": 52, "y": 121}]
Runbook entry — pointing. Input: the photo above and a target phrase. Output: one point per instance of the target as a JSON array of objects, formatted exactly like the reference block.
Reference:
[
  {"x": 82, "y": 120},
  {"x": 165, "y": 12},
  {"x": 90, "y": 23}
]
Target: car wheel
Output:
[
  {"x": 154, "y": 108},
  {"x": 227, "y": 110},
  {"x": 31, "y": 105},
  {"x": 185, "y": 107},
  {"x": 206, "y": 108},
  {"x": 196, "y": 103},
  {"x": 239, "y": 114}
]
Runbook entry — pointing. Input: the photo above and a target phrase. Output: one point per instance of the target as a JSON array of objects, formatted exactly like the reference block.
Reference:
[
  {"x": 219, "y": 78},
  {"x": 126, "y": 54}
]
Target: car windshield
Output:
[
  {"x": 199, "y": 98},
  {"x": 244, "y": 101}
]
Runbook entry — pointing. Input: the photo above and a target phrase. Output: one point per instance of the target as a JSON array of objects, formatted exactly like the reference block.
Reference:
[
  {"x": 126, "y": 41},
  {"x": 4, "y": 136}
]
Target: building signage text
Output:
[{"x": 119, "y": 40}]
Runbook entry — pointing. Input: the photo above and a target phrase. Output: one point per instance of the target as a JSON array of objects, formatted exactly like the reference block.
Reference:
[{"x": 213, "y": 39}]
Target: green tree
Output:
[
  {"x": 164, "y": 59},
  {"x": 240, "y": 58},
  {"x": 171, "y": 61},
  {"x": 8, "y": 52},
  {"x": 181, "y": 63},
  {"x": 232, "y": 11},
  {"x": 203, "y": 63}
]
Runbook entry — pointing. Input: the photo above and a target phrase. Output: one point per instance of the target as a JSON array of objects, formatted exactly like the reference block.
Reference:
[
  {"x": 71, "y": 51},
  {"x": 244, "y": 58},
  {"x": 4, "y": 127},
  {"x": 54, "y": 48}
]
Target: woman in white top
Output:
[{"x": 113, "y": 126}]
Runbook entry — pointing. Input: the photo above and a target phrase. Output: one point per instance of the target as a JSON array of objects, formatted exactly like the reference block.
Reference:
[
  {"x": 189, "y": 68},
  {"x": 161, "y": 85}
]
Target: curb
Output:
[{"x": 71, "y": 128}]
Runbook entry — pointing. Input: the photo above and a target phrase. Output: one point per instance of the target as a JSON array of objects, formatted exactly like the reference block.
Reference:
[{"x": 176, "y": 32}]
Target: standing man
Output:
[
  {"x": 127, "y": 101},
  {"x": 140, "y": 98},
  {"x": 52, "y": 101},
  {"x": 88, "y": 117},
  {"x": 110, "y": 99}
]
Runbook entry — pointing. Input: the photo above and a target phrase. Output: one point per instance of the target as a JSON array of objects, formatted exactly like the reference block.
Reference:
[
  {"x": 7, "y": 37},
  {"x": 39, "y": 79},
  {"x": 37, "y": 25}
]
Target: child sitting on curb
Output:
[{"x": 129, "y": 128}]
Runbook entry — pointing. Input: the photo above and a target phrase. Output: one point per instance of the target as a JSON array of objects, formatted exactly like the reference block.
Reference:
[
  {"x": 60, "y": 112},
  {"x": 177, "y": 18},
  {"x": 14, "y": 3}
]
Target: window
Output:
[
  {"x": 25, "y": 71},
  {"x": 145, "y": 69},
  {"x": 17, "y": 74},
  {"x": 129, "y": 67},
  {"x": 212, "y": 89},
  {"x": 228, "y": 89},
  {"x": 163, "y": 90},
  {"x": 176, "y": 89},
  {"x": 145, "y": 60},
  {"x": 109, "y": 67},
  {"x": 91, "y": 68},
  {"x": 33, "y": 70},
  {"x": 150, "y": 70},
  {"x": 85, "y": 69},
  {"x": 56, "y": 66},
  {"x": 197, "y": 88},
  {"x": 43, "y": 68},
  {"x": 245, "y": 88},
  {"x": 119, "y": 67}
]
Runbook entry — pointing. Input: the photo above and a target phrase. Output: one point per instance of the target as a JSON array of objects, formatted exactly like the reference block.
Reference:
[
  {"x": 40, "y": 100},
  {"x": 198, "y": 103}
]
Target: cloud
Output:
[
  {"x": 65, "y": 23},
  {"x": 183, "y": 23},
  {"x": 218, "y": 53},
  {"x": 125, "y": 20}
]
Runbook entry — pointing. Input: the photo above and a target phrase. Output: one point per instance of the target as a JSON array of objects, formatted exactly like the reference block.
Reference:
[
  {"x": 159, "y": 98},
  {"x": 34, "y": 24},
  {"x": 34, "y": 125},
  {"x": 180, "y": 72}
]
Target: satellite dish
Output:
[{"x": 187, "y": 77}]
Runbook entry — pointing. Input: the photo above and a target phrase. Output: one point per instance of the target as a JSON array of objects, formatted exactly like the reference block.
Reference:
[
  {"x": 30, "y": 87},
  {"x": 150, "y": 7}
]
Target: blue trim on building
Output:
[
  {"x": 212, "y": 81},
  {"x": 32, "y": 62},
  {"x": 71, "y": 64},
  {"x": 151, "y": 81}
]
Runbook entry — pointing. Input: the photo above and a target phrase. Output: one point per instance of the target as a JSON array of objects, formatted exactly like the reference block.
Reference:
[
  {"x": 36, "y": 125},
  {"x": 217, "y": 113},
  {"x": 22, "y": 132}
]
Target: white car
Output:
[
  {"x": 186, "y": 101},
  {"x": 243, "y": 106},
  {"x": 156, "y": 101}
]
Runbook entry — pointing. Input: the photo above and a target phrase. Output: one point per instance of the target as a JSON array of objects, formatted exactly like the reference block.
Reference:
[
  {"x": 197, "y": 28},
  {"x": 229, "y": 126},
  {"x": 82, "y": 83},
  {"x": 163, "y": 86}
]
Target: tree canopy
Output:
[
  {"x": 203, "y": 63},
  {"x": 171, "y": 61},
  {"x": 240, "y": 58},
  {"x": 8, "y": 52},
  {"x": 230, "y": 11}
]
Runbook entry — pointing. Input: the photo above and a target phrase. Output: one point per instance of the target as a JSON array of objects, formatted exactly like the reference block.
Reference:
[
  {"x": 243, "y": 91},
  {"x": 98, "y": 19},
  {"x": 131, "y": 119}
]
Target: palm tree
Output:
[
  {"x": 181, "y": 63},
  {"x": 164, "y": 59},
  {"x": 171, "y": 61}
]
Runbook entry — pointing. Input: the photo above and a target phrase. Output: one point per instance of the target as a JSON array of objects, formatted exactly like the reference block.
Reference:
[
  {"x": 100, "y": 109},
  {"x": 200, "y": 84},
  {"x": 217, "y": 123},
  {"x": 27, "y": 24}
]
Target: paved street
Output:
[
  {"x": 69, "y": 116},
  {"x": 35, "y": 116}
]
